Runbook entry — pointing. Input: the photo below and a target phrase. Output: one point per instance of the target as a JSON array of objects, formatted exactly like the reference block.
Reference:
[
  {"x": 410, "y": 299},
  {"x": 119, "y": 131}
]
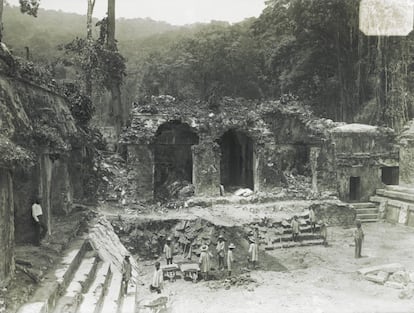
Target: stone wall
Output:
[
  {"x": 206, "y": 168},
  {"x": 61, "y": 188},
  {"x": 361, "y": 151},
  {"x": 25, "y": 186},
  {"x": 370, "y": 179},
  {"x": 141, "y": 169},
  {"x": 335, "y": 213},
  {"x": 6, "y": 226},
  {"x": 406, "y": 142}
]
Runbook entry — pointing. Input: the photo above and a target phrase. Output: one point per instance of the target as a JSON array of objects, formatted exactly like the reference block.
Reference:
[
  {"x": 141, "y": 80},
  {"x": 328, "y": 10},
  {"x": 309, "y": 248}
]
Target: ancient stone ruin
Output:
[{"x": 253, "y": 145}]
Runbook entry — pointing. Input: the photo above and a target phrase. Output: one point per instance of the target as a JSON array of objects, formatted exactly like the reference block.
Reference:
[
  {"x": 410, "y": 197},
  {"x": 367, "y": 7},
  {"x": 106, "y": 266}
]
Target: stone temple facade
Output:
[{"x": 246, "y": 144}]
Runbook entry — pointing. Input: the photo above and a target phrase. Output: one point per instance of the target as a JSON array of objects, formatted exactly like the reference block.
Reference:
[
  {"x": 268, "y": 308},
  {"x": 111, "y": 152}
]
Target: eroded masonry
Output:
[{"x": 253, "y": 145}]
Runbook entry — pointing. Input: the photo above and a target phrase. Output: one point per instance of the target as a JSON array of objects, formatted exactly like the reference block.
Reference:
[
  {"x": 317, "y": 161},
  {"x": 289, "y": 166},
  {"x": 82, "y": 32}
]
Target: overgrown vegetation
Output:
[{"x": 312, "y": 49}]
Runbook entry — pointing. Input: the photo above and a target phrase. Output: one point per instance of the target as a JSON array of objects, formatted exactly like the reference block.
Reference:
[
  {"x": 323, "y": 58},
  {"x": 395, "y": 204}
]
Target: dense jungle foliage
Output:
[{"x": 312, "y": 49}]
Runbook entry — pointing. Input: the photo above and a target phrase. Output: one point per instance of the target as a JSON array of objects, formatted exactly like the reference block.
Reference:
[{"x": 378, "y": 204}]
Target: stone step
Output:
[
  {"x": 288, "y": 238},
  {"x": 303, "y": 229},
  {"x": 69, "y": 302},
  {"x": 369, "y": 220},
  {"x": 367, "y": 211},
  {"x": 400, "y": 189},
  {"x": 113, "y": 299},
  {"x": 392, "y": 202},
  {"x": 292, "y": 244},
  {"x": 363, "y": 205},
  {"x": 45, "y": 297},
  {"x": 396, "y": 195},
  {"x": 93, "y": 298},
  {"x": 129, "y": 303},
  {"x": 367, "y": 216}
]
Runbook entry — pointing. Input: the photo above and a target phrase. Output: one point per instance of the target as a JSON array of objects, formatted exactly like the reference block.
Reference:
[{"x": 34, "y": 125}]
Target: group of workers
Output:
[{"x": 205, "y": 255}]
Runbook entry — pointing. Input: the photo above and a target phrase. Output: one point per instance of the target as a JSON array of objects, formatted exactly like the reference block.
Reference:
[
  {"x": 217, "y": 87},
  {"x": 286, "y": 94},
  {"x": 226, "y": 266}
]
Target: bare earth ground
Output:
[{"x": 319, "y": 279}]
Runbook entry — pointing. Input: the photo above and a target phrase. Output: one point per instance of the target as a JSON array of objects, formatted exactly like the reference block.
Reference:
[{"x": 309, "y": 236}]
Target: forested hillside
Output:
[{"x": 312, "y": 50}]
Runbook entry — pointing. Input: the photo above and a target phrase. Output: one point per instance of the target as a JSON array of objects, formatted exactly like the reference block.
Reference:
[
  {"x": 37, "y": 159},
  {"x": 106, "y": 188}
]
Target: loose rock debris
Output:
[{"x": 392, "y": 276}]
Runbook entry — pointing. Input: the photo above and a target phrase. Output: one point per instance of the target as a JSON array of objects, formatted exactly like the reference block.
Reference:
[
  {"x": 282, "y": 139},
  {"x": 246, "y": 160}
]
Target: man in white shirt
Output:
[
  {"x": 157, "y": 279},
  {"x": 40, "y": 225}
]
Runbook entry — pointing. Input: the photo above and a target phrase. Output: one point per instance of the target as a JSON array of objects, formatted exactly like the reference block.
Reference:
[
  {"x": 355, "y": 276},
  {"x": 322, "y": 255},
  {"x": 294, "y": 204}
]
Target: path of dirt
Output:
[{"x": 319, "y": 279}]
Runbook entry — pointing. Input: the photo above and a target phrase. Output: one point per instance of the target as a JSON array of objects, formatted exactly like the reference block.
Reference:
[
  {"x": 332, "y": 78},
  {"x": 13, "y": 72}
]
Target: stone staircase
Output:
[
  {"x": 396, "y": 204},
  {"x": 82, "y": 283},
  {"x": 366, "y": 212},
  {"x": 281, "y": 237}
]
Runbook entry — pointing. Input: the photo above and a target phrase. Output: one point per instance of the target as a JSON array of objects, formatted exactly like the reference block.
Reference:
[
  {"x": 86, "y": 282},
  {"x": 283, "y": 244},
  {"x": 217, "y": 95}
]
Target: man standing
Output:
[
  {"x": 40, "y": 225},
  {"x": 230, "y": 258},
  {"x": 312, "y": 220},
  {"x": 253, "y": 253},
  {"x": 358, "y": 237},
  {"x": 295, "y": 228},
  {"x": 204, "y": 261},
  {"x": 220, "y": 252},
  {"x": 126, "y": 273},
  {"x": 157, "y": 279},
  {"x": 168, "y": 251}
]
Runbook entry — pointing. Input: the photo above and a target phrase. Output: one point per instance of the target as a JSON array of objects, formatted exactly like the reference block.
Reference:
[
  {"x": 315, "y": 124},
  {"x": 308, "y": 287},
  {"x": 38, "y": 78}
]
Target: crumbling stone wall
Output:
[
  {"x": 141, "y": 169},
  {"x": 6, "y": 226},
  {"x": 25, "y": 188},
  {"x": 361, "y": 151},
  {"x": 406, "y": 142},
  {"x": 61, "y": 187},
  {"x": 40, "y": 121},
  {"x": 282, "y": 136},
  {"x": 206, "y": 168}
]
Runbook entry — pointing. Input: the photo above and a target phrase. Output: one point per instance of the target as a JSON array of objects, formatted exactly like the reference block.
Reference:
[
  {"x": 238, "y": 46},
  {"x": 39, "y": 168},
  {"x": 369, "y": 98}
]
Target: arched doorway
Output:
[
  {"x": 172, "y": 156},
  {"x": 236, "y": 166}
]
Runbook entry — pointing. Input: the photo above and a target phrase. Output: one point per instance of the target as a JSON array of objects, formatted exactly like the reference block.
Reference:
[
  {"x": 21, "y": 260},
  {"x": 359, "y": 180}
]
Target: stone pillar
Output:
[
  {"x": 45, "y": 188},
  {"x": 6, "y": 227},
  {"x": 206, "y": 168},
  {"x": 141, "y": 169},
  {"x": 313, "y": 158},
  {"x": 61, "y": 189}
]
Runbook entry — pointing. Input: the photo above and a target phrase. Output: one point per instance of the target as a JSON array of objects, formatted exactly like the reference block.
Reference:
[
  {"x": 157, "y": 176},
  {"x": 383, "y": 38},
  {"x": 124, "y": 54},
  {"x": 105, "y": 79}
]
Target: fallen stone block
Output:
[
  {"x": 379, "y": 278},
  {"x": 406, "y": 294},
  {"x": 394, "y": 285},
  {"x": 400, "y": 277},
  {"x": 412, "y": 277},
  {"x": 389, "y": 268}
]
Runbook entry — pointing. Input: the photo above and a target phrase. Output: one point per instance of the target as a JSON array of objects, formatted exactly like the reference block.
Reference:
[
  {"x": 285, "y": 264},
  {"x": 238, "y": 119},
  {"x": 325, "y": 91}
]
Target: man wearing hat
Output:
[
  {"x": 358, "y": 237},
  {"x": 220, "y": 252},
  {"x": 204, "y": 261},
  {"x": 157, "y": 279},
  {"x": 168, "y": 251},
  {"x": 253, "y": 252},
  {"x": 126, "y": 273},
  {"x": 230, "y": 258},
  {"x": 295, "y": 228}
]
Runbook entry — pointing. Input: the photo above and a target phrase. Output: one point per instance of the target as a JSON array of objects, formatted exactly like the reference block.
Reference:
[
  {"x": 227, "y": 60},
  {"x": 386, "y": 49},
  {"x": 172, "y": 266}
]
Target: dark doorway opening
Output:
[
  {"x": 236, "y": 166},
  {"x": 354, "y": 188},
  {"x": 173, "y": 158},
  {"x": 390, "y": 175}
]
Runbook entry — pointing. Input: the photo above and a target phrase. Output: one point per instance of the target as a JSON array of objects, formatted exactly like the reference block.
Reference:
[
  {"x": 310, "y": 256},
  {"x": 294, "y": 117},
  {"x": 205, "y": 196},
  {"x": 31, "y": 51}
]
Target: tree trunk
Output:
[
  {"x": 91, "y": 5},
  {"x": 88, "y": 76},
  {"x": 117, "y": 108},
  {"x": 111, "y": 25},
  {"x": 1, "y": 19}
]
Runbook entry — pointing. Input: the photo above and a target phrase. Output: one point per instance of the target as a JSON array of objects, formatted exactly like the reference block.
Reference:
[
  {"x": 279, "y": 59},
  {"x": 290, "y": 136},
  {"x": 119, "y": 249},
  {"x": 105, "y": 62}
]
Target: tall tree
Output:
[
  {"x": 89, "y": 43},
  {"x": 115, "y": 88}
]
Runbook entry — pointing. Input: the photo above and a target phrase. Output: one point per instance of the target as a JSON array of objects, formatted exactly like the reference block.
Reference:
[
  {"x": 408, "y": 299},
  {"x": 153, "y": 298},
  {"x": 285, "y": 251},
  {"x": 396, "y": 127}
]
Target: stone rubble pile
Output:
[
  {"x": 147, "y": 240},
  {"x": 392, "y": 276},
  {"x": 243, "y": 280}
]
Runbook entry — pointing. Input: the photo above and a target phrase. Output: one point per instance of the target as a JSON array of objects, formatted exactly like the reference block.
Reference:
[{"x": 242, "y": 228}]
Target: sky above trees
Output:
[{"x": 176, "y": 12}]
